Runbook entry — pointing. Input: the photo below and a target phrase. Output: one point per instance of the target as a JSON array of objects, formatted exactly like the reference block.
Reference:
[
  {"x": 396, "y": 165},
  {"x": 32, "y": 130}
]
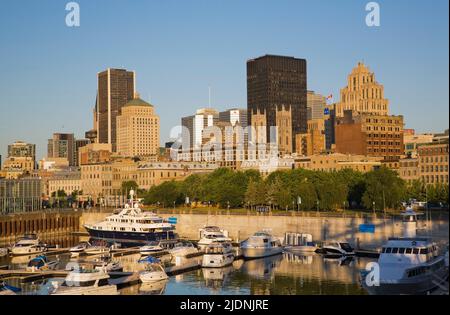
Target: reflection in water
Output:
[
  {"x": 153, "y": 288},
  {"x": 282, "y": 274}
]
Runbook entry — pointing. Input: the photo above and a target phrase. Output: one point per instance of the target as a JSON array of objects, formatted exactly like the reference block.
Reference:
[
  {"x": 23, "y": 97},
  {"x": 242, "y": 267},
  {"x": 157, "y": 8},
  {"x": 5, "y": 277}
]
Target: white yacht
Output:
[
  {"x": 132, "y": 226},
  {"x": 28, "y": 244},
  {"x": 408, "y": 264},
  {"x": 261, "y": 244},
  {"x": 151, "y": 248},
  {"x": 85, "y": 281},
  {"x": 210, "y": 234},
  {"x": 299, "y": 243},
  {"x": 183, "y": 249},
  {"x": 218, "y": 254},
  {"x": 80, "y": 247},
  {"x": 153, "y": 272},
  {"x": 339, "y": 248}
]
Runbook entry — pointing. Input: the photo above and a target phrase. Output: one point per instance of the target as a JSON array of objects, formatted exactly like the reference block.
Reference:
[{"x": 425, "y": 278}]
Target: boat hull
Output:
[
  {"x": 301, "y": 249},
  {"x": 26, "y": 250},
  {"x": 421, "y": 285},
  {"x": 130, "y": 237},
  {"x": 217, "y": 261},
  {"x": 149, "y": 276},
  {"x": 250, "y": 253}
]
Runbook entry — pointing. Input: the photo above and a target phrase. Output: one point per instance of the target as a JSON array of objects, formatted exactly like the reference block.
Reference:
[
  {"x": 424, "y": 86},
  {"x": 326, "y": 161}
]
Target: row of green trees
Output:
[{"x": 316, "y": 190}]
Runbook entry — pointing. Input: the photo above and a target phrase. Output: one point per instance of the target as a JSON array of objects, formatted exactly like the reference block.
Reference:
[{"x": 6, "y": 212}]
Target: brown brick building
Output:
[{"x": 371, "y": 135}]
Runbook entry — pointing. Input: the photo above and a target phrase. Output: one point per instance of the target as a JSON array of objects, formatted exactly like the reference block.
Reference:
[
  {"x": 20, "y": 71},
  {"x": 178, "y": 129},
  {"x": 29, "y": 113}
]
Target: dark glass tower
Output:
[
  {"x": 115, "y": 88},
  {"x": 274, "y": 82}
]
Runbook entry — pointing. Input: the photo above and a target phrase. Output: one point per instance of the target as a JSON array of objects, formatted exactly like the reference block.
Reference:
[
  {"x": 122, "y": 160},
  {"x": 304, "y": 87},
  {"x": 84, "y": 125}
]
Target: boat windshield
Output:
[
  {"x": 38, "y": 262},
  {"x": 346, "y": 247},
  {"x": 153, "y": 267}
]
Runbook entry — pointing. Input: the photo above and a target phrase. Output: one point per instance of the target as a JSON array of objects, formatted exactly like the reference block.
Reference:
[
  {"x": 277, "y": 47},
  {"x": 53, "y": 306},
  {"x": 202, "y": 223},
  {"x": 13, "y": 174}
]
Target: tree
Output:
[
  {"x": 129, "y": 185},
  {"x": 416, "y": 190},
  {"x": 166, "y": 194},
  {"x": 384, "y": 188}
]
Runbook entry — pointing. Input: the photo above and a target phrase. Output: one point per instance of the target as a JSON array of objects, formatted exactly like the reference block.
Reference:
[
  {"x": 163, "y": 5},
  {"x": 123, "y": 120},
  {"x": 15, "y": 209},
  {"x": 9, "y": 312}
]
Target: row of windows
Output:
[
  {"x": 434, "y": 159},
  {"x": 436, "y": 168}
]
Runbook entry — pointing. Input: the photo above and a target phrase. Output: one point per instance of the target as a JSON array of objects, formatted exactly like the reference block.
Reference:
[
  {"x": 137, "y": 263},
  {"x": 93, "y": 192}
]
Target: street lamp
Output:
[
  {"x": 317, "y": 205},
  {"x": 373, "y": 206}
]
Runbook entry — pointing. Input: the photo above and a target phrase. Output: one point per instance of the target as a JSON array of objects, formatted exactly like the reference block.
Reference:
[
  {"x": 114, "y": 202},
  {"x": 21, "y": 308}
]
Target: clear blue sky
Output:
[{"x": 179, "y": 48}]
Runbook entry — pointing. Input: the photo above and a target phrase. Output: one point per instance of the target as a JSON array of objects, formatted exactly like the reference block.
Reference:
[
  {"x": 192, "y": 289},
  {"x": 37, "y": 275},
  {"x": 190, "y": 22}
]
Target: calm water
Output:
[{"x": 282, "y": 274}]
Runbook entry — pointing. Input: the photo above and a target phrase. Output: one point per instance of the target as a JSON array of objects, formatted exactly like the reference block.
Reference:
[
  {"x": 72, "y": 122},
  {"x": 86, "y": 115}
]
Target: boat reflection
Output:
[
  {"x": 262, "y": 268},
  {"x": 153, "y": 288},
  {"x": 216, "y": 277}
]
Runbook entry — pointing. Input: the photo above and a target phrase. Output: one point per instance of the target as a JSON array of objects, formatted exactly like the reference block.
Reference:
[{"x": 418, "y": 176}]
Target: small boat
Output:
[
  {"x": 151, "y": 248},
  {"x": 183, "y": 249},
  {"x": 80, "y": 247},
  {"x": 261, "y": 244},
  {"x": 218, "y": 254},
  {"x": 338, "y": 248},
  {"x": 7, "y": 289},
  {"x": 85, "y": 281},
  {"x": 153, "y": 270},
  {"x": 28, "y": 244},
  {"x": 153, "y": 288},
  {"x": 299, "y": 243},
  {"x": 41, "y": 263},
  {"x": 3, "y": 252},
  {"x": 108, "y": 266},
  {"x": 210, "y": 234}
]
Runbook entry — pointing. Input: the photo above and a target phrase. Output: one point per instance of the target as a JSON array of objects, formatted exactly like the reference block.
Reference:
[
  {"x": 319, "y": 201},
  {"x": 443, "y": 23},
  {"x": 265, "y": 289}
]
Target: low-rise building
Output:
[
  {"x": 337, "y": 161},
  {"x": 433, "y": 162},
  {"x": 68, "y": 182},
  {"x": 20, "y": 195},
  {"x": 409, "y": 169}
]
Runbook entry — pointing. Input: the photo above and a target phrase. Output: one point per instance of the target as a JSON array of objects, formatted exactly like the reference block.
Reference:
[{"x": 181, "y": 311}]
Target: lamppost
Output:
[
  {"x": 373, "y": 206},
  {"x": 317, "y": 205},
  {"x": 228, "y": 205}
]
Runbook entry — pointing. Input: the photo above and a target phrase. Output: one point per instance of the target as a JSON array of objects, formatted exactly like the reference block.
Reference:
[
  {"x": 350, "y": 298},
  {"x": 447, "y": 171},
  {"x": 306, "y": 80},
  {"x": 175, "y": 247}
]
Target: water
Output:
[{"x": 283, "y": 274}]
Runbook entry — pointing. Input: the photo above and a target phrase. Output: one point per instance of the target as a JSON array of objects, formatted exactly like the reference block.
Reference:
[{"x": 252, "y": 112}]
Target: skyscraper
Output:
[
  {"x": 115, "y": 88},
  {"x": 316, "y": 104},
  {"x": 276, "y": 96},
  {"x": 195, "y": 124},
  {"x": 138, "y": 129},
  {"x": 362, "y": 94},
  {"x": 62, "y": 145},
  {"x": 234, "y": 116}
]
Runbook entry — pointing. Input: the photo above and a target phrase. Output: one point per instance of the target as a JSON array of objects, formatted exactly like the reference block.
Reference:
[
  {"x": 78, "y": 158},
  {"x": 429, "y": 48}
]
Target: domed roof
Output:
[{"x": 137, "y": 102}]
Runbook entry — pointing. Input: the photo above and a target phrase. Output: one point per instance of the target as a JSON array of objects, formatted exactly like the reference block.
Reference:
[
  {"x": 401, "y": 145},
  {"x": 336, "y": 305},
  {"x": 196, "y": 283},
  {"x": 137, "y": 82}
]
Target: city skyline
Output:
[{"x": 65, "y": 94}]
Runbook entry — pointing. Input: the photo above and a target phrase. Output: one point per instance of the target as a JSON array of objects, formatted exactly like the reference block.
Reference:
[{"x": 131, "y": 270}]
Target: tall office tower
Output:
[
  {"x": 194, "y": 126},
  {"x": 362, "y": 94},
  {"x": 115, "y": 88},
  {"x": 315, "y": 104},
  {"x": 276, "y": 96},
  {"x": 62, "y": 145},
  {"x": 234, "y": 116},
  {"x": 138, "y": 129}
]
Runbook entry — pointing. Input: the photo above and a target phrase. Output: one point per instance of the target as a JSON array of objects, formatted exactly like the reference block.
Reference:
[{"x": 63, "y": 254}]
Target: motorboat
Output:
[
  {"x": 28, "y": 244},
  {"x": 153, "y": 272},
  {"x": 338, "y": 248},
  {"x": 6, "y": 289},
  {"x": 218, "y": 255},
  {"x": 261, "y": 244},
  {"x": 85, "y": 281},
  {"x": 97, "y": 248},
  {"x": 183, "y": 249},
  {"x": 299, "y": 243},
  {"x": 151, "y": 248},
  {"x": 3, "y": 252},
  {"x": 132, "y": 226},
  {"x": 210, "y": 234},
  {"x": 108, "y": 266},
  {"x": 408, "y": 264},
  {"x": 41, "y": 263},
  {"x": 80, "y": 247}
]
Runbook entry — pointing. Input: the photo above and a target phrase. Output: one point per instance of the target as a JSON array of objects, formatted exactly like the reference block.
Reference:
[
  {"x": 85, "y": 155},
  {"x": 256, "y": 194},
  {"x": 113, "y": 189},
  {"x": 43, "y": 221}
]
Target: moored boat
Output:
[
  {"x": 261, "y": 244},
  {"x": 338, "y": 248},
  {"x": 28, "y": 244},
  {"x": 218, "y": 255},
  {"x": 153, "y": 272},
  {"x": 41, "y": 263},
  {"x": 210, "y": 234}
]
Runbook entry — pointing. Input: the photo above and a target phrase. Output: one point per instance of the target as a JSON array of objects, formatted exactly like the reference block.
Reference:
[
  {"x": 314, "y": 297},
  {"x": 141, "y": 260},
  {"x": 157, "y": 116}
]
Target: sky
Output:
[{"x": 48, "y": 71}]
